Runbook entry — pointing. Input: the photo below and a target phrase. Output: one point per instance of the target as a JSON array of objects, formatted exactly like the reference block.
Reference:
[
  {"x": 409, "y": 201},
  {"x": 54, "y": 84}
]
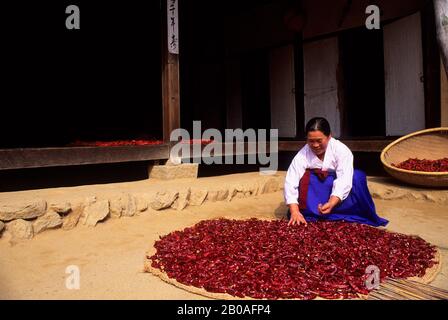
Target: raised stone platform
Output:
[
  {"x": 173, "y": 171},
  {"x": 23, "y": 214},
  {"x": 387, "y": 188}
]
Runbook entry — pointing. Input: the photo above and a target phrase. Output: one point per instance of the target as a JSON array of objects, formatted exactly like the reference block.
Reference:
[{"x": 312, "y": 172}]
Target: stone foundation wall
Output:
[
  {"x": 388, "y": 189},
  {"x": 24, "y": 219}
]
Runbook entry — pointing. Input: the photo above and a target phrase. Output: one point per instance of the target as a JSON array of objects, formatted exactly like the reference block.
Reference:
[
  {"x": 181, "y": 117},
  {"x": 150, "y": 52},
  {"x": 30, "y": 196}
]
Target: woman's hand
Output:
[
  {"x": 327, "y": 207},
  {"x": 296, "y": 216}
]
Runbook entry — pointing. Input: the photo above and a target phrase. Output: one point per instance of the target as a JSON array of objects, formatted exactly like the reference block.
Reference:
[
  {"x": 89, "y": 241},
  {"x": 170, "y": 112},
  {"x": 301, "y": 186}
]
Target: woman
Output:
[{"x": 321, "y": 183}]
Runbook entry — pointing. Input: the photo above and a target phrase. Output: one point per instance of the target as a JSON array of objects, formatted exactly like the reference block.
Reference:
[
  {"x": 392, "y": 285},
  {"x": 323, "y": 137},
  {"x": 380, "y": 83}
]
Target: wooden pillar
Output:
[
  {"x": 170, "y": 77},
  {"x": 441, "y": 19},
  {"x": 431, "y": 67},
  {"x": 443, "y": 97}
]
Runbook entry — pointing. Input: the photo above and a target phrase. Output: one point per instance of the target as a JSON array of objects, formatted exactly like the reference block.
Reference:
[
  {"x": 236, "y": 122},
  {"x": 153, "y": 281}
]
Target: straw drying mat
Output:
[{"x": 410, "y": 288}]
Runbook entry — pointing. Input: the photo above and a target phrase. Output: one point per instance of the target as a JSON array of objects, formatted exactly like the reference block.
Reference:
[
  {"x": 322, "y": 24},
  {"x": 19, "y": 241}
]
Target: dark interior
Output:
[
  {"x": 255, "y": 91},
  {"x": 52, "y": 177},
  {"x": 101, "y": 82},
  {"x": 203, "y": 55},
  {"x": 201, "y": 60},
  {"x": 362, "y": 61}
]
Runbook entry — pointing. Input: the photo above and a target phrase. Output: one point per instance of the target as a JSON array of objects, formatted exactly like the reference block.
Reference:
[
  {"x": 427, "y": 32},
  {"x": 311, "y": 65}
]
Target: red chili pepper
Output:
[{"x": 440, "y": 165}]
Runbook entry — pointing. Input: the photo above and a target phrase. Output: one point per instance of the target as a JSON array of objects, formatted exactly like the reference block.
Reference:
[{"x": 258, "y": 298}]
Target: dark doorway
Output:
[
  {"x": 255, "y": 90},
  {"x": 299, "y": 86},
  {"x": 362, "y": 66},
  {"x": 101, "y": 82},
  {"x": 201, "y": 61}
]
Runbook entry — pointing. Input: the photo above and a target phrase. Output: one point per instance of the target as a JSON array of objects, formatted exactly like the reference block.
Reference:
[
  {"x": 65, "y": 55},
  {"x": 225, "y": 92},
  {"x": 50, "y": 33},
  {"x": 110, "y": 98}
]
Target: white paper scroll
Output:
[{"x": 173, "y": 29}]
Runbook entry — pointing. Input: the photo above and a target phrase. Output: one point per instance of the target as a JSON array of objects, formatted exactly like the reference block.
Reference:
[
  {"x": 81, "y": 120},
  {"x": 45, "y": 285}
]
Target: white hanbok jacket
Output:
[{"x": 338, "y": 158}]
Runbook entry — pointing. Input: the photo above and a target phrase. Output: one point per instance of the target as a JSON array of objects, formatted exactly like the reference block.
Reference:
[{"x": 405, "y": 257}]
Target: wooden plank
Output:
[
  {"x": 405, "y": 292},
  {"x": 354, "y": 145},
  {"x": 402, "y": 289},
  {"x": 424, "y": 288},
  {"x": 170, "y": 82},
  {"x": 48, "y": 157},
  {"x": 294, "y": 146},
  {"x": 381, "y": 295},
  {"x": 51, "y": 157},
  {"x": 227, "y": 149},
  {"x": 389, "y": 293}
]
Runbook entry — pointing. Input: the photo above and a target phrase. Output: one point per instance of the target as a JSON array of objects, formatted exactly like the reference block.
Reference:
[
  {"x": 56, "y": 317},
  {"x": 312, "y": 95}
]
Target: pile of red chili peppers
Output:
[
  {"x": 134, "y": 142},
  {"x": 271, "y": 260},
  {"x": 137, "y": 142},
  {"x": 197, "y": 141},
  {"x": 414, "y": 164}
]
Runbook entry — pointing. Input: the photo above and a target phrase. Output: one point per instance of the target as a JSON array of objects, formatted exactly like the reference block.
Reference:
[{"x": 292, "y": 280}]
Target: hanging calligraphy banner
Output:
[{"x": 173, "y": 29}]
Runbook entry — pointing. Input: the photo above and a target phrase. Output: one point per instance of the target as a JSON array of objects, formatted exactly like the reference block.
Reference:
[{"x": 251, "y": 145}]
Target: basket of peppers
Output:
[{"x": 419, "y": 158}]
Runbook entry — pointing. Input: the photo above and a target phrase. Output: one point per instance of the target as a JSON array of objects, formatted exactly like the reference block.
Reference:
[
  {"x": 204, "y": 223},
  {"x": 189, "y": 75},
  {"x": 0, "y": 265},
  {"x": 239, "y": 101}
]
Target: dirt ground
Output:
[{"x": 110, "y": 256}]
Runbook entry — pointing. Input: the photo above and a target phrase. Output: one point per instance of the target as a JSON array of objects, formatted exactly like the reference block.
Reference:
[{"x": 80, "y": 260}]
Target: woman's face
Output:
[{"x": 318, "y": 142}]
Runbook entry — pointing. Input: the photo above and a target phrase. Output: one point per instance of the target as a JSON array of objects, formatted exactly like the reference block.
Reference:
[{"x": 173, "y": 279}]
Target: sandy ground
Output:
[{"x": 110, "y": 256}]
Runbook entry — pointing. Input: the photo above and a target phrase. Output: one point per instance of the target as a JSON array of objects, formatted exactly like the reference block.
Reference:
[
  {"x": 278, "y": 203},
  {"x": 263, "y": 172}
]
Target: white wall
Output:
[
  {"x": 320, "y": 75},
  {"x": 283, "y": 104},
  {"x": 403, "y": 63}
]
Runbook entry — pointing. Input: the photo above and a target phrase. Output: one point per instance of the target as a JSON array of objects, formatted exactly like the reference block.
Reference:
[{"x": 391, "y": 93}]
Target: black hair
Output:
[{"x": 318, "y": 124}]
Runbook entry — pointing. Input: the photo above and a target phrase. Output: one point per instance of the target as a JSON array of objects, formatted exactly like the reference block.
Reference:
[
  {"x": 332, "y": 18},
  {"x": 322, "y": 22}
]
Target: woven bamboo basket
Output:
[{"x": 431, "y": 144}]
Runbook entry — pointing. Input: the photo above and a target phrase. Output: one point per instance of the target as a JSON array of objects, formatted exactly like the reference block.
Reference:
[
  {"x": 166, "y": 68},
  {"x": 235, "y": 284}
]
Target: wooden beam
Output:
[
  {"x": 295, "y": 145},
  {"x": 354, "y": 145},
  {"x": 53, "y": 157},
  {"x": 170, "y": 82},
  {"x": 231, "y": 149},
  {"x": 443, "y": 97}
]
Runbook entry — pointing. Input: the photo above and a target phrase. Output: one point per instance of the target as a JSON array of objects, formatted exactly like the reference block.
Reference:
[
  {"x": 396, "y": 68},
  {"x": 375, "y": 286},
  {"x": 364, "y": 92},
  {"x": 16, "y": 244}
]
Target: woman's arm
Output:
[
  {"x": 296, "y": 216},
  {"x": 342, "y": 185},
  {"x": 291, "y": 188}
]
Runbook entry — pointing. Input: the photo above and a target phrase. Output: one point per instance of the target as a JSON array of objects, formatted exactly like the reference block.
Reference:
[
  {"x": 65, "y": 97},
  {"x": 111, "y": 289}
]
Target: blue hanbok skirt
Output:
[{"x": 357, "y": 207}]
